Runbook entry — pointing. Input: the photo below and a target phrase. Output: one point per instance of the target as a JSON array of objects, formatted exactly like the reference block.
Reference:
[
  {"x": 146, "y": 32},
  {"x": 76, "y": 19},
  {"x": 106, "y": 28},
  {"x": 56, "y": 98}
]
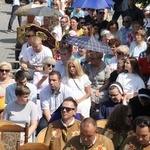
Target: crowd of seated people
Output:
[{"x": 63, "y": 94}]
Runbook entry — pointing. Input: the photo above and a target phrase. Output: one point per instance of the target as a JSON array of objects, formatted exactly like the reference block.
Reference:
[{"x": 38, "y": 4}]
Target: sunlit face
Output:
[
  {"x": 37, "y": 46},
  {"x": 68, "y": 114},
  {"x": 65, "y": 56},
  {"x": 143, "y": 135},
  {"x": 81, "y": 51},
  {"x": 24, "y": 98},
  {"x": 113, "y": 28},
  {"x": 46, "y": 21},
  {"x": 115, "y": 95},
  {"x": 85, "y": 31},
  {"x": 63, "y": 22},
  {"x": 54, "y": 82},
  {"x": 30, "y": 18},
  {"x": 29, "y": 35},
  {"x": 138, "y": 37},
  {"x": 4, "y": 72},
  {"x": 88, "y": 133},
  {"x": 128, "y": 66},
  {"x": 72, "y": 69},
  {"x": 113, "y": 48},
  {"x": 22, "y": 82},
  {"x": 73, "y": 24}
]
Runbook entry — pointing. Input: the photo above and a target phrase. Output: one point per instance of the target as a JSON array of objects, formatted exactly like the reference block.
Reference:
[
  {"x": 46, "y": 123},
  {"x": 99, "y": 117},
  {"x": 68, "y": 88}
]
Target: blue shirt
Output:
[{"x": 11, "y": 96}]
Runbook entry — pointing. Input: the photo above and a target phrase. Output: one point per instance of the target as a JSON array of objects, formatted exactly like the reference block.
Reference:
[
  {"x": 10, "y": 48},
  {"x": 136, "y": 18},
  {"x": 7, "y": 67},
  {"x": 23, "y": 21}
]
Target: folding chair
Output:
[
  {"x": 34, "y": 146},
  {"x": 10, "y": 134},
  {"x": 41, "y": 136}
]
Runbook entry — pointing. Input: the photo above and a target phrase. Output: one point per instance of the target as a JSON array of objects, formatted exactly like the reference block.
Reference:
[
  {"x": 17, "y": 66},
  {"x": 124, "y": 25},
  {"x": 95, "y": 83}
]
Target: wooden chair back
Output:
[
  {"x": 5, "y": 122},
  {"x": 41, "y": 136},
  {"x": 34, "y": 146},
  {"x": 1, "y": 146},
  {"x": 10, "y": 134},
  {"x": 101, "y": 123}
]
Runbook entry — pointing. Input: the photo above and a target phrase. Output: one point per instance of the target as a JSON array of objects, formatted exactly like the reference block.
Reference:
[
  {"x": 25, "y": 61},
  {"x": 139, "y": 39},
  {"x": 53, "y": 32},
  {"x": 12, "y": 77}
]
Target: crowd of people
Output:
[{"x": 68, "y": 88}]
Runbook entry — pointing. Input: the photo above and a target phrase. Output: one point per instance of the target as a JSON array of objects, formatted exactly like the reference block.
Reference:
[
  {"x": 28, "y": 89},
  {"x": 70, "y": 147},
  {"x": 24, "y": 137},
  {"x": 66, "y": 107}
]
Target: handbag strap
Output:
[{"x": 77, "y": 86}]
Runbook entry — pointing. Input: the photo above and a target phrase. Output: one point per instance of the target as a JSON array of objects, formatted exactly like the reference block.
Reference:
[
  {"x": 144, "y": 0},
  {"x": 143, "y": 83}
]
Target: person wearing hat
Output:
[{"x": 141, "y": 103}]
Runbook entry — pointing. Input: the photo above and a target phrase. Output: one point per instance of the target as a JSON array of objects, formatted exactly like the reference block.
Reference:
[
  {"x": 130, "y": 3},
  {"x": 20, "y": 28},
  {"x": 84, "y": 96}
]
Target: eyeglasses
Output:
[
  {"x": 4, "y": 70},
  {"x": 125, "y": 21},
  {"x": 49, "y": 65},
  {"x": 67, "y": 108},
  {"x": 113, "y": 95},
  {"x": 29, "y": 36},
  {"x": 119, "y": 53}
]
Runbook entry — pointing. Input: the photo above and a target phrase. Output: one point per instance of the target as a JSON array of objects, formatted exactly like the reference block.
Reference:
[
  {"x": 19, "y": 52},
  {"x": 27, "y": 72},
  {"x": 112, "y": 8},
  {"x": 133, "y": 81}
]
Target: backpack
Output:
[{"x": 9, "y": 1}]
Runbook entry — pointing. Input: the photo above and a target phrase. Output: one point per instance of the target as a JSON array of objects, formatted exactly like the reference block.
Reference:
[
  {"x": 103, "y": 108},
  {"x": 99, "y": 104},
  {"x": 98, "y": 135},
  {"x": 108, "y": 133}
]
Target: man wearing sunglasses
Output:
[
  {"x": 62, "y": 130},
  {"x": 140, "y": 141},
  {"x": 51, "y": 98}
]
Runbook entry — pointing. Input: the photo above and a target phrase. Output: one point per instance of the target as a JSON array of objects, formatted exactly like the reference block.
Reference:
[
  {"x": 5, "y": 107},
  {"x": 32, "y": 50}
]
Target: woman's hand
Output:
[{"x": 96, "y": 92}]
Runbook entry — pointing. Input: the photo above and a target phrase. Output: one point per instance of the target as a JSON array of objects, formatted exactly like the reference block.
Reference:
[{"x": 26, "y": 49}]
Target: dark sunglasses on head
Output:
[
  {"x": 4, "y": 70},
  {"x": 67, "y": 108},
  {"x": 29, "y": 36},
  {"x": 49, "y": 65}
]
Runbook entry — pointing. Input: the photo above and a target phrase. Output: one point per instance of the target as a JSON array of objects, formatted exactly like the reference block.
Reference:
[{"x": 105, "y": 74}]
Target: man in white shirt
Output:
[
  {"x": 51, "y": 98},
  {"x": 32, "y": 60}
]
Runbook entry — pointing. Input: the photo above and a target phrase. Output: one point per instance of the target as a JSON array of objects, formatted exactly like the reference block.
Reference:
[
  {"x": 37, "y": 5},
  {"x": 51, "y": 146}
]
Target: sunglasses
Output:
[
  {"x": 49, "y": 65},
  {"x": 29, "y": 36},
  {"x": 119, "y": 53},
  {"x": 67, "y": 108},
  {"x": 3, "y": 70}
]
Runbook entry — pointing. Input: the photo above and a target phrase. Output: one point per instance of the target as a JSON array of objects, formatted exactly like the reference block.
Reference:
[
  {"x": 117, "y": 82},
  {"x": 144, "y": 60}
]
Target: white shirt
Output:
[
  {"x": 52, "y": 101},
  {"x": 131, "y": 83},
  {"x": 35, "y": 59}
]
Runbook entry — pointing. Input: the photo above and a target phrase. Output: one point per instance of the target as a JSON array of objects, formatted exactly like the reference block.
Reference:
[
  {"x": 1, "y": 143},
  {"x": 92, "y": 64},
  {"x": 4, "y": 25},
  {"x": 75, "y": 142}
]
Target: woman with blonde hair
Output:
[
  {"x": 5, "y": 80},
  {"x": 81, "y": 85}
]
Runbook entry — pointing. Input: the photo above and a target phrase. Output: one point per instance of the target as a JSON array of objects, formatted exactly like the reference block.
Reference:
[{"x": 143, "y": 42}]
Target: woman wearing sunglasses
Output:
[
  {"x": 81, "y": 85},
  {"x": 40, "y": 79},
  {"x": 5, "y": 80}
]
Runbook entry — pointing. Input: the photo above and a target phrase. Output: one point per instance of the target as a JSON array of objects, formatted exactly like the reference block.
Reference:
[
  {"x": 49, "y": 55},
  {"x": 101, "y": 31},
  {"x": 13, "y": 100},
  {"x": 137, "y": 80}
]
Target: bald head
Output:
[{"x": 37, "y": 44}]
